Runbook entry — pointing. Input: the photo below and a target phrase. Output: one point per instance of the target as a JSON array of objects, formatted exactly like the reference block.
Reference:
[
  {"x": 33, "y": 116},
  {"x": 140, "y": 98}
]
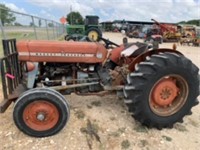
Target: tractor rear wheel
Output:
[
  {"x": 162, "y": 90},
  {"x": 41, "y": 112},
  {"x": 94, "y": 34}
]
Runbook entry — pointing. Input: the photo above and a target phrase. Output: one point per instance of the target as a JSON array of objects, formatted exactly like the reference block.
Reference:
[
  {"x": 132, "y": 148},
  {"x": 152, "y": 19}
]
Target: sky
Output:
[{"x": 109, "y": 10}]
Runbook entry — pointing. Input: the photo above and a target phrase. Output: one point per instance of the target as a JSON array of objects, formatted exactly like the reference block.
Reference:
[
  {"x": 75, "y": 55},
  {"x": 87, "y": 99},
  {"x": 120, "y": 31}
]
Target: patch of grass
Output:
[
  {"x": 21, "y": 35},
  {"x": 142, "y": 129},
  {"x": 118, "y": 132},
  {"x": 122, "y": 130},
  {"x": 180, "y": 127},
  {"x": 96, "y": 103},
  {"x": 167, "y": 138},
  {"x": 80, "y": 114},
  {"x": 89, "y": 106},
  {"x": 125, "y": 144},
  {"x": 143, "y": 143},
  {"x": 114, "y": 134}
]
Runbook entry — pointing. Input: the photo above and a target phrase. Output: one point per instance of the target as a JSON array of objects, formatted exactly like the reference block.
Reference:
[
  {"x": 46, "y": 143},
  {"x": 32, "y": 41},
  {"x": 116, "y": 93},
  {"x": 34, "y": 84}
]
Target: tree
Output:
[
  {"x": 5, "y": 15},
  {"x": 17, "y": 24},
  {"x": 75, "y": 18},
  {"x": 192, "y": 22},
  {"x": 50, "y": 24}
]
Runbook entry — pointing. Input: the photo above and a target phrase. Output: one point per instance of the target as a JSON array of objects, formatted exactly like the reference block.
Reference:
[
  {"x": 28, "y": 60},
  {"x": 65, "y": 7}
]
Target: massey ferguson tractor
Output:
[{"x": 159, "y": 86}]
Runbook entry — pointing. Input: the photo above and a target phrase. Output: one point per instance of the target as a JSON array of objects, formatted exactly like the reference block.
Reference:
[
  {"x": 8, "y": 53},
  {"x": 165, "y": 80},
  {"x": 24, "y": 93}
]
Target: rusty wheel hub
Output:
[
  {"x": 41, "y": 115},
  {"x": 165, "y": 92},
  {"x": 168, "y": 95}
]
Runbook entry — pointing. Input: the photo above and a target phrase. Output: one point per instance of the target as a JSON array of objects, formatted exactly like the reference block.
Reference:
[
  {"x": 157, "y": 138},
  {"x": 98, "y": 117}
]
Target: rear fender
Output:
[{"x": 143, "y": 56}]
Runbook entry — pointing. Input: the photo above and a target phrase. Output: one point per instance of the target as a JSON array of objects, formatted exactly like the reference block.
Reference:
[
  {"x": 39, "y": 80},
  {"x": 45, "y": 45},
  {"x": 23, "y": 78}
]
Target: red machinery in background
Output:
[{"x": 170, "y": 32}]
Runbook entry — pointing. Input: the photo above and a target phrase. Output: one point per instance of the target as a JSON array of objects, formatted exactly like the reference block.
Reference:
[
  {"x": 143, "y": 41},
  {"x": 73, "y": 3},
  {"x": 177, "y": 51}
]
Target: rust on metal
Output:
[
  {"x": 164, "y": 92},
  {"x": 143, "y": 56},
  {"x": 61, "y": 51},
  {"x": 30, "y": 66},
  {"x": 168, "y": 95},
  {"x": 118, "y": 75},
  {"x": 41, "y": 115},
  {"x": 116, "y": 54},
  {"x": 12, "y": 97},
  {"x": 59, "y": 88}
]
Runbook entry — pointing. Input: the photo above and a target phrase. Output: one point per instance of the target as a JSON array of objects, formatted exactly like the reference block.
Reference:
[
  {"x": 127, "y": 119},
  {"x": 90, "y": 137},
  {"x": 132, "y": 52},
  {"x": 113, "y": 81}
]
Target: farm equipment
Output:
[
  {"x": 159, "y": 86},
  {"x": 133, "y": 31},
  {"x": 153, "y": 34},
  {"x": 90, "y": 28},
  {"x": 168, "y": 31},
  {"x": 189, "y": 36}
]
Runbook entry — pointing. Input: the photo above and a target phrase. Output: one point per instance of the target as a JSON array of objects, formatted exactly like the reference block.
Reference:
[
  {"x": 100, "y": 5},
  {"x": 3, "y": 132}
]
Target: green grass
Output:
[
  {"x": 18, "y": 36},
  {"x": 22, "y": 35}
]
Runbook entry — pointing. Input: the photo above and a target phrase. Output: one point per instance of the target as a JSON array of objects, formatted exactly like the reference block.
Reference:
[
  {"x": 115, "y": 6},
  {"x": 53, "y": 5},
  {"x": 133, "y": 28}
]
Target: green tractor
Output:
[{"x": 90, "y": 29}]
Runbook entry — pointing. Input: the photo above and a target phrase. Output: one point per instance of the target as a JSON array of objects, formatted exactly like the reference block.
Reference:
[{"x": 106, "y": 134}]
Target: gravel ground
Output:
[{"x": 109, "y": 118}]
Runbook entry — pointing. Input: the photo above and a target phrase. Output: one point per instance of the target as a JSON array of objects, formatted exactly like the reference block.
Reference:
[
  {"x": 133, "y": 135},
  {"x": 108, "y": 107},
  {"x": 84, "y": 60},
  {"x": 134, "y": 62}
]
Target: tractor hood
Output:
[{"x": 61, "y": 51}]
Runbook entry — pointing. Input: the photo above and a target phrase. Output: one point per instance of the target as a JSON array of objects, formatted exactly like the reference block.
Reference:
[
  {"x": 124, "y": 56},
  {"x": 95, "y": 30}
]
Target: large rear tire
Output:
[
  {"x": 41, "y": 112},
  {"x": 94, "y": 34},
  {"x": 162, "y": 90}
]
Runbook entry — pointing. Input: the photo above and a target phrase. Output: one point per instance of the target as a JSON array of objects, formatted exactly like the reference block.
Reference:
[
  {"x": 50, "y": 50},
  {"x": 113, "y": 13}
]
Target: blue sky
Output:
[{"x": 109, "y": 10}]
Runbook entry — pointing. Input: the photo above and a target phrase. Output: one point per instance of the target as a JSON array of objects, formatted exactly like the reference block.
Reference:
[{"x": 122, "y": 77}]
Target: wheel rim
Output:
[
  {"x": 41, "y": 115},
  {"x": 93, "y": 35},
  {"x": 168, "y": 95}
]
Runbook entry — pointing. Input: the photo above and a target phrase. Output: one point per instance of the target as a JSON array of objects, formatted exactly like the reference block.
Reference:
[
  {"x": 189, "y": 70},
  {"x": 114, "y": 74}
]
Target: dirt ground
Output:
[{"x": 115, "y": 127}]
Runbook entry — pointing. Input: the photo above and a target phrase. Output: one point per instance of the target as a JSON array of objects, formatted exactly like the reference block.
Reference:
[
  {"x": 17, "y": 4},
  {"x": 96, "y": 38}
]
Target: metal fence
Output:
[{"x": 26, "y": 26}]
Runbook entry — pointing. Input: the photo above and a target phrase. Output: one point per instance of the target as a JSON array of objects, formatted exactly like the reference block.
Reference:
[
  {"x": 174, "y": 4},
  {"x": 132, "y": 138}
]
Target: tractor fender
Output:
[{"x": 142, "y": 57}]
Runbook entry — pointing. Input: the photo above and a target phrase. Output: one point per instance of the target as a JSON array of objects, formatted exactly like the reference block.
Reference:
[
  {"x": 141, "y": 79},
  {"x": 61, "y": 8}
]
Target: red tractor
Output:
[
  {"x": 169, "y": 32},
  {"x": 159, "y": 86}
]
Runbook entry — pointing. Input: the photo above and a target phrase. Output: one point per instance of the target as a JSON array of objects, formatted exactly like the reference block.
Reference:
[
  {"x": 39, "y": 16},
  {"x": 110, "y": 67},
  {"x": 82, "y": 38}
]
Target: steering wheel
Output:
[{"x": 108, "y": 43}]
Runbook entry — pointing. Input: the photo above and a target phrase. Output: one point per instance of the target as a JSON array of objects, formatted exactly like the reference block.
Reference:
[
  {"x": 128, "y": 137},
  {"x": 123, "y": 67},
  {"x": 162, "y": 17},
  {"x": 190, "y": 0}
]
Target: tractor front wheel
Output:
[
  {"x": 162, "y": 90},
  {"x": 41, "y": 112}
]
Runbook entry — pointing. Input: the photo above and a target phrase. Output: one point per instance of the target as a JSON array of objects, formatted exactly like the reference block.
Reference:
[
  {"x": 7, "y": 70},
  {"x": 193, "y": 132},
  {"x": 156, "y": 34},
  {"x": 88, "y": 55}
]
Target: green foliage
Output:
[
  {"x": 167, "y": 138},
  {"x": 96, "y": 103},
  {"x": 75, "y": 18},
  {"x": 125, "y": 144},
  {"x": 5, "y": 15},
  {"x": 50, "y": 24},
  {"x": 17, "y": 24},
  {"x": 192, "y": 22}
]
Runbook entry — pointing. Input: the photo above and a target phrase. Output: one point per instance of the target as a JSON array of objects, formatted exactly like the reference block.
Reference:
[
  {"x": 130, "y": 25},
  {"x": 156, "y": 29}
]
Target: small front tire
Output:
[{"x": 41, "y": 112}]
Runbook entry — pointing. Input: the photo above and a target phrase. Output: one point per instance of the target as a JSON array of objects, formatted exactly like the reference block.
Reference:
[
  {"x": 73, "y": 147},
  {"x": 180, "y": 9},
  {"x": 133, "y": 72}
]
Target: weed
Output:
[
  {"x": 80, "y": 114},
  {"x": 114, "y": 134},
  {"x": 121, "y": 130},
  {"x": 143, "y": 143},
  {"x": 125, "y": 144},
  {"x": 141, "y": 129},
  {"x": 89, "y": 106},
  {"x": 96, "y": 103},
  {"x": 167, "y": 138},
  {"x": 118, "y": 132},
  {"x": 180, "y": 127}
]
